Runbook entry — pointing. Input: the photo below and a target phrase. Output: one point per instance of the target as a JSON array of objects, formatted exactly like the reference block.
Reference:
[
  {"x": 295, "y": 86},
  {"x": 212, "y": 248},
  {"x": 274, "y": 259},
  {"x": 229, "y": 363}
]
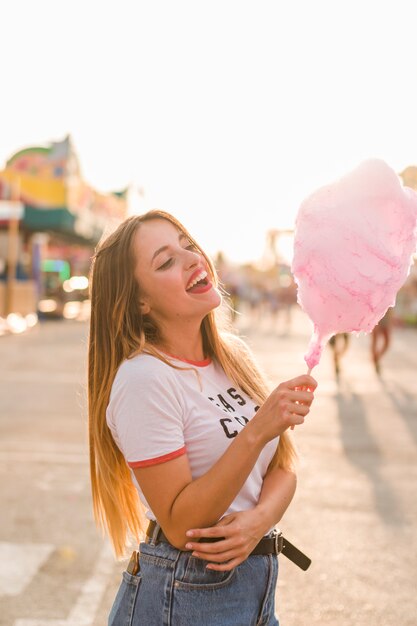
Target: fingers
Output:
[
  {"x": 301, "y": 381},
  {"x": 217, "y": 532},
  {"x": 226, "y": 567},
  {"x": 220, "y": 557},
  {"x": 212, "y": 531},
  {"x": 302, "y": 394},
  {"x": 304, "y": 397},
  {"x": 295, "y": 398},
  {"x": 233, "y": 547},
  {"x": 297, "y": 409},
  {"x": 296, "y": 414},
  {"x": 293, "y": 412},
  {"x": 209, "y": 549}
]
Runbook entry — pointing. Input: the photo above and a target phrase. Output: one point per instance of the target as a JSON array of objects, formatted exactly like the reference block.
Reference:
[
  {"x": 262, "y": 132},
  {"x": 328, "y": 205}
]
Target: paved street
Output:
[{"x": 354, "y": 512}]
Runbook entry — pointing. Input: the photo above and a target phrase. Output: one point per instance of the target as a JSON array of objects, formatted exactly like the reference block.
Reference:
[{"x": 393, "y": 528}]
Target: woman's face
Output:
[{"x": 173, "y": 276}]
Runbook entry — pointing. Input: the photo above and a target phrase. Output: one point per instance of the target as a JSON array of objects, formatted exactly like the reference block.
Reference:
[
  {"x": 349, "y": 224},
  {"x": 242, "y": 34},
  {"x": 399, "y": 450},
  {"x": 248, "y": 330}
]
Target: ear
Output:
[{"x": 144, "y": 307}]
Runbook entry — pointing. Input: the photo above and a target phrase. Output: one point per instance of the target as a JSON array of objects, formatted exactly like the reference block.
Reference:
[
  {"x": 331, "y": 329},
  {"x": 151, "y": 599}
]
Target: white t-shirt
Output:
[{"x": 157, "y": 413}]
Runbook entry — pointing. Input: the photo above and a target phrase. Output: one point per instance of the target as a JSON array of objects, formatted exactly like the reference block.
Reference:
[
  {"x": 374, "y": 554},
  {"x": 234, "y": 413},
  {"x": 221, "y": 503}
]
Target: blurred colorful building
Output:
[{"x": 49, "y": 217}]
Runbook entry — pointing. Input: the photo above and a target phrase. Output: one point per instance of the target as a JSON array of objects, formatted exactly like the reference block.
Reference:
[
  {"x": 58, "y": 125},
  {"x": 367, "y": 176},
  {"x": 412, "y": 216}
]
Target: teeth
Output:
[{"x": 200, "y": 276}]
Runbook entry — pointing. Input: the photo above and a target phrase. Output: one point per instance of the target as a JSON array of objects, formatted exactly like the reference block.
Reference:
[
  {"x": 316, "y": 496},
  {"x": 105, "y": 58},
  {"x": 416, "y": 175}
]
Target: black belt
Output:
[{"x": 276, "y": 544}]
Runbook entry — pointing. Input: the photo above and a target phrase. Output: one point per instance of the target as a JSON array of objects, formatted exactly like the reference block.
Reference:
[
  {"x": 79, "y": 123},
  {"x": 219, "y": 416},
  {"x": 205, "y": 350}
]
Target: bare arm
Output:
[
  {"x": 278, "y": 490},
  {"x": 244, "y": 529},
  {"x": 181, "y": 503}
]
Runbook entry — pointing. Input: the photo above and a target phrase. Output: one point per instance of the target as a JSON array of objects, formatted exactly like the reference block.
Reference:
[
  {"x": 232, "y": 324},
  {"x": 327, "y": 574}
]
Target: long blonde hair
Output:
[{"x": 118, "y": 331}]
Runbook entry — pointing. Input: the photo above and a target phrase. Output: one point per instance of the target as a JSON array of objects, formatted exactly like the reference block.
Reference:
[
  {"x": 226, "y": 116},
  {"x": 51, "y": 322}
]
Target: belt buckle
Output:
[{"x": 279, "y": 542}]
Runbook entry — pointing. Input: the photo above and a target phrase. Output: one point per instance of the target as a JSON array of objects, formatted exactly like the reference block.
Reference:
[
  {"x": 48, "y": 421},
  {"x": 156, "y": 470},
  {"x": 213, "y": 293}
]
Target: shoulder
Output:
[
  {"x": 144, "y": 380},
  {"x": 144, "y": 370}
]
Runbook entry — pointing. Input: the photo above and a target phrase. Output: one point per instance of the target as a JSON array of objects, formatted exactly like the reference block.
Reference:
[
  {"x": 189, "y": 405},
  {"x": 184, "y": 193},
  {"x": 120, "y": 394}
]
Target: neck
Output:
[{"x": 184, "y": 341}]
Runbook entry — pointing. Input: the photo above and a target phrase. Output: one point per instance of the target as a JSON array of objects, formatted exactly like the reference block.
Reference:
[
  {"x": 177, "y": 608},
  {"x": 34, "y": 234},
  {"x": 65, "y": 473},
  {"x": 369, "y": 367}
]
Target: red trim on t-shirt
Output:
[
  {"x": 203, "y": 363},
  {"x": 157, "y": 459}
]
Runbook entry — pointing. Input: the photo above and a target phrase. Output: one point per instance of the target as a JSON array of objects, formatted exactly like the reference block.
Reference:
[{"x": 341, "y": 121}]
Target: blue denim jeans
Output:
[{"x": 174, "y": 588}]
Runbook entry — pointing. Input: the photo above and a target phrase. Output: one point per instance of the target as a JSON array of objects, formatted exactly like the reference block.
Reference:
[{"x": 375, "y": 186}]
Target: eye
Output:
[
  {"x": 165, "y": 265},
  {"x": 192, "y": 247}
]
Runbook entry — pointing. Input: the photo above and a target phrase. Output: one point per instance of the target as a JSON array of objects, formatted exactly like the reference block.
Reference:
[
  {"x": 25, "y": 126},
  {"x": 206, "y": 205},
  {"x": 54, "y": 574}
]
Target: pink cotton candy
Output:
[{"x": 353, "y": 247}]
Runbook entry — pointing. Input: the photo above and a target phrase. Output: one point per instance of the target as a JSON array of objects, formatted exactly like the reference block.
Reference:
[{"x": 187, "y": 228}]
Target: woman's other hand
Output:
[{"x": 239, "y": 532}]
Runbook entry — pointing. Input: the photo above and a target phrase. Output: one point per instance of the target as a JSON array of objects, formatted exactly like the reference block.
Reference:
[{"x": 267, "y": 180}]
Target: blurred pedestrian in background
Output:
[
  {"x": 381, "y": 339},
  {"x": 339, "y": 343}
]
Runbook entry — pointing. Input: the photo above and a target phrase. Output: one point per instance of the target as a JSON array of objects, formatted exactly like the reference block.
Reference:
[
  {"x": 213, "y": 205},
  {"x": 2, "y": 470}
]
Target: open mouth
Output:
[{"x": 197, "y": 283}]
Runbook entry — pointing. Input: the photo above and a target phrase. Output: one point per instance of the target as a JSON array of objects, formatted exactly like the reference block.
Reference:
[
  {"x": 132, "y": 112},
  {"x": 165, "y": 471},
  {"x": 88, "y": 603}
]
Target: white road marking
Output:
[
  {"x": 18, "y": 565},
  {"x": 85, "y": 609}
]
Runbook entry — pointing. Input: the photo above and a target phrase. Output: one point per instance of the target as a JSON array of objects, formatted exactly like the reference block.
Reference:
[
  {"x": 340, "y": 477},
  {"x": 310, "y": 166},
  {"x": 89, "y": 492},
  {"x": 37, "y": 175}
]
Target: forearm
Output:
[
  {"x": 278, "y": 490},
  {"x": 204, "y": 500},
  {"x": 238, "y": 533}
]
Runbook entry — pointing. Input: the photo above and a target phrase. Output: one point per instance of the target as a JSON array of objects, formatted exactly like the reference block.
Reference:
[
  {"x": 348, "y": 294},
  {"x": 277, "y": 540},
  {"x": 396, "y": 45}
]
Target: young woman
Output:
[{"x": 184, "y": 433}]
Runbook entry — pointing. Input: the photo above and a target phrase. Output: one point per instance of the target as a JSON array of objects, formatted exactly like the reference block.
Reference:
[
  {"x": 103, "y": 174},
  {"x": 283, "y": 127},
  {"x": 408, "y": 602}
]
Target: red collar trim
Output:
[{"x": 203, "y": 363}]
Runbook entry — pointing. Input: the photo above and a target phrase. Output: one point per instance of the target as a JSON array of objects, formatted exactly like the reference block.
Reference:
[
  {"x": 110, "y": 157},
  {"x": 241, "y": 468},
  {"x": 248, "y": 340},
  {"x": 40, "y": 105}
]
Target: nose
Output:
[{"x": 192, "y": 258}]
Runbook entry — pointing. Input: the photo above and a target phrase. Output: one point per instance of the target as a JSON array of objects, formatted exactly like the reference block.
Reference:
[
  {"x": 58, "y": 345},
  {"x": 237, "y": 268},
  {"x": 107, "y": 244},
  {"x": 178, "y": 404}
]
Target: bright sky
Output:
[{"x": 227, "y": 113}]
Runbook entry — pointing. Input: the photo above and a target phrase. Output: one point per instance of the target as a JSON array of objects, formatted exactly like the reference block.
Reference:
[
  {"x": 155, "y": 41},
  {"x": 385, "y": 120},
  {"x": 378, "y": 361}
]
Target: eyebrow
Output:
[{"x": 163, "y": 248}]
